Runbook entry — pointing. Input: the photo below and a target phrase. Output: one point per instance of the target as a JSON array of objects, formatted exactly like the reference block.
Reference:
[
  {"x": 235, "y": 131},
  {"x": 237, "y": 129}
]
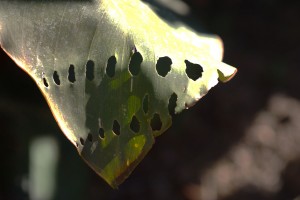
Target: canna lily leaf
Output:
[{"x": 112, "y": 73}]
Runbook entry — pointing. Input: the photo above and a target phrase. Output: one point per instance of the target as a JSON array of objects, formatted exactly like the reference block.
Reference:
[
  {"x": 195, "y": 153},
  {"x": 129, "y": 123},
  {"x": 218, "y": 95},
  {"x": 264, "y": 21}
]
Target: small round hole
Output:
[
  {"x": 135, "y": 63},
  {"x": 111, "y": 66},
  {"x": 172, "y": 104},
  {"x": 156, "y": 123},
  {"x": 45, "y": 82},
  {"x": 193, "y": 71},
  {"x": 101, "y": 133},
  {"x": 81, "y": 141},
  {"x": 90, "y": 137},
  {"x": 71, "y": 76},
  {"x": 90, "y": 67},
  {"x": 116, "y": 127},
  {"x": 135, "y": 124},
  {"x": 56, "y": 78},
  {"x": 163, "y": 66}
]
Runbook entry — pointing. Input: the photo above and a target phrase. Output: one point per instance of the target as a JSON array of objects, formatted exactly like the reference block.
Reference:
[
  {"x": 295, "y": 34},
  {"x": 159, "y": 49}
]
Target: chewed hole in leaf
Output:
[
  {"x": 135, "y": 63},
  {"x": 135, "y": 124},
  {"x": 101, "y": 133},
  {"x": 163, "y": 66},
  {"x": 146, "y": 103},
  {"x": 81, "y": 141},
  {"x": 193, "y": 71},
  {"x": 90, "y": 137},
  {"x": 116, "y": 127},
  {"x": 156, "y": 123},
  {"x": 71, "y": 76},
  {"x": 111, "y": 66},
  {"x": 172, "y": 104},
  {"x": 90, "y": 68},
  {"x": 56, "y": 78},
  {"x": 45, "y": 82}
]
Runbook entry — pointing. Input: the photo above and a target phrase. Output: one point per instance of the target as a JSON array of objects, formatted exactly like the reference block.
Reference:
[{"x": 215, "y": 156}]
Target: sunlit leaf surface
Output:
[{"x": 111, "y": 71}]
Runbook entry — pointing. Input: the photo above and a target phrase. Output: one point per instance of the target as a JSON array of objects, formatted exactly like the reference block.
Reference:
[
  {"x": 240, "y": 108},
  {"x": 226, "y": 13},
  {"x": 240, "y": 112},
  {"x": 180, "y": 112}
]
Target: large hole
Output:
[
  {"x": 45, "y": 82},
  {"x": 90, "y": 67},
  {"x": 156, "y": 123},
  {"x": 163, "y": 66},
  {"x": 135, "y": 63},
  {"x": 146, "y": 103},
  {"x": 172, "y": 104},
  {"x": 56, "y": 78},
  {"x": 116, "y": 127},
  {"x": 193, "y": 71},
  {"x": 101, "y": 133},
  {"x": 111, "y": 66},
  {"x": 135, "y": 124},
  {"x": 71, "y": 76}
]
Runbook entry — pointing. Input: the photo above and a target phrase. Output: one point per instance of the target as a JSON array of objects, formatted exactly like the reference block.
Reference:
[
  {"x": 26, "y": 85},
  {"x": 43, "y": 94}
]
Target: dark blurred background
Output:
[{"x": 240, "y": 142}]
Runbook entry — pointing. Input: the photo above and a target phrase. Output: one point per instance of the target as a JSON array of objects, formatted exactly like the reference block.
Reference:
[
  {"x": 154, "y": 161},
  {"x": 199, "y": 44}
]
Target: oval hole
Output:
[
  {"x": 101, "y": 133},
  {"x": 193, "y": 71},
  {"x": 146, "y": 104},
  {"x": 156, "y": 123},
  {"x": 172, "y": 104},
  {"x": 116, "y": 127},
  {"x": 111, "y": 66},
  {"x": 81, "y": 141},
  {"x": 45, "y": 82},
  {"x": 71, "y": 76},
  {"x": 163, "y": 66},
  {"x": 135, "y": 124},
  {"x": 56, "y": 78},
  {"x": 135, "y": 63},
  {"x": 90, "y": 137},
  {"x": 90, "y": 67}
]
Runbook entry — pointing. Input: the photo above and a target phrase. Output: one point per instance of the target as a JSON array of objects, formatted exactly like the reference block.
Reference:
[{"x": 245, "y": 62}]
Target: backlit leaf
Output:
[{"x": 111, "y": 72}]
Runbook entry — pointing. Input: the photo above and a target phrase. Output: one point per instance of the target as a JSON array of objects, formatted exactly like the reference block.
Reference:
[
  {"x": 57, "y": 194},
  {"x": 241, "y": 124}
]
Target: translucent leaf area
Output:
[{"x": 112, "y": 73}]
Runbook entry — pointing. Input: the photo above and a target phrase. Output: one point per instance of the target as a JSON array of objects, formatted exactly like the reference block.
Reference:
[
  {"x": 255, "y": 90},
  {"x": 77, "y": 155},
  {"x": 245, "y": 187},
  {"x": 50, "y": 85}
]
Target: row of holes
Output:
[
  {"x": 163, "y": 67},
  {"x": 155, "y": 123},
  {"x": 56, "y": 79}
]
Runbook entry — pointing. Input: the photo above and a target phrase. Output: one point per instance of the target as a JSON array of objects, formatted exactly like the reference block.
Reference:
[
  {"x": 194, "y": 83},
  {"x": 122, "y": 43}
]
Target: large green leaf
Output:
[{"x": 111, "y": 72}]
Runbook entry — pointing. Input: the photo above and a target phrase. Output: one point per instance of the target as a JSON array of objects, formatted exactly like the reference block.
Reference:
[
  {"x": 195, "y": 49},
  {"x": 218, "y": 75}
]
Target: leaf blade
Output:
[{"x": 48, "y": 37}]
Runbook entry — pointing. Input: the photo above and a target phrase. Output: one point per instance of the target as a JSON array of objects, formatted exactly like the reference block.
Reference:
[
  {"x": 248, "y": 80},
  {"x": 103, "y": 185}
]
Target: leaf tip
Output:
[{"x": 226, "y": 72}]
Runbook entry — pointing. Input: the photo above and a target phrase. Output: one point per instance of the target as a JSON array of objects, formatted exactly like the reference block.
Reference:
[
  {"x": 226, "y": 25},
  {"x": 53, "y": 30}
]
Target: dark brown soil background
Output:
[{"x": 240, "y": 142}]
